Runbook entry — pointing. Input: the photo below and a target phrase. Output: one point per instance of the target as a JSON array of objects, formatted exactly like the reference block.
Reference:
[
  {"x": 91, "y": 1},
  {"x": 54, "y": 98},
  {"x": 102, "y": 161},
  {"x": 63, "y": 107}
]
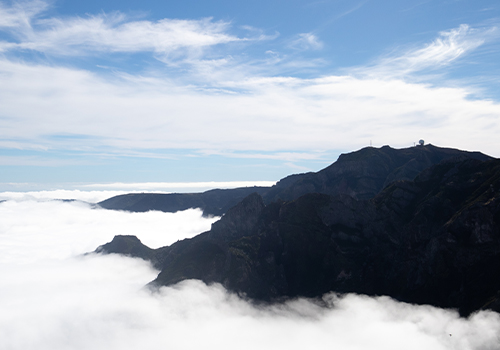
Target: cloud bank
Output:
[
  {"x": 97, "y": 192},
  {"x": 64, "y": 229},
  {"x": 51, "y": 297}
]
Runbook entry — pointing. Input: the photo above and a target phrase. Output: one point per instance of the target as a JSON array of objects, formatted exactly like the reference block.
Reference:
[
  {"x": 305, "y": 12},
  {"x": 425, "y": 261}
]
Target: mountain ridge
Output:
[
  {"x": 434, "y": 240},
  {"x": 361, "y": 174}
]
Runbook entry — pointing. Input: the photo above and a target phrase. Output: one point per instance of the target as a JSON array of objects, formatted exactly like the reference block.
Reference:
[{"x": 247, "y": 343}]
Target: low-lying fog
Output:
[{"x": 52, "y": 297}]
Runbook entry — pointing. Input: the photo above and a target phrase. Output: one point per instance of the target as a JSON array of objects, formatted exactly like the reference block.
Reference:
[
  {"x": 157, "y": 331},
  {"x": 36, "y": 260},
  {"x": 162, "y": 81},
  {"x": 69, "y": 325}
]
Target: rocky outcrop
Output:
[{"x": 127, "y": 245}]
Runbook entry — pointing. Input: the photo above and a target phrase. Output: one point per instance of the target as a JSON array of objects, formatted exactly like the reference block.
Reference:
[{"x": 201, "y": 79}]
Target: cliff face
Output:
[{"x": 431, "y": 240}]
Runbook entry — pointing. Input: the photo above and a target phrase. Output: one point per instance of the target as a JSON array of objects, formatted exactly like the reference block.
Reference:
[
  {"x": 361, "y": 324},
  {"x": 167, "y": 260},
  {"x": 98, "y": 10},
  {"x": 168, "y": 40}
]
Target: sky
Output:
[
  {"x": 54, "y": 297},
  {"x": 116, "y": 93}
]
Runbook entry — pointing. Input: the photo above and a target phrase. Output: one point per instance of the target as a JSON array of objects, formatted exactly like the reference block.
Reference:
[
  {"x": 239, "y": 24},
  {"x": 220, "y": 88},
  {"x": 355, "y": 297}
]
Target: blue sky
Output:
[{"x": 194, "y": 91}]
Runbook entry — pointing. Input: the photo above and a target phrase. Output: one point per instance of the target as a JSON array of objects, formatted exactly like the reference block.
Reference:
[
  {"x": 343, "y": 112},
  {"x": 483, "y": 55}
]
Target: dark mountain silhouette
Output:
[
  {"x": 432, "y": 238},
  {"x": 214, "y": 202},
  {"x": 360, "y": 174}
]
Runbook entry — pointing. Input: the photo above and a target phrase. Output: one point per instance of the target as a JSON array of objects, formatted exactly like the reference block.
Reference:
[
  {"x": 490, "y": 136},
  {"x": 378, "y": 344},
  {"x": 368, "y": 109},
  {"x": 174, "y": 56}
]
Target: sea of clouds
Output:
[{"x": 54, "y": 297}]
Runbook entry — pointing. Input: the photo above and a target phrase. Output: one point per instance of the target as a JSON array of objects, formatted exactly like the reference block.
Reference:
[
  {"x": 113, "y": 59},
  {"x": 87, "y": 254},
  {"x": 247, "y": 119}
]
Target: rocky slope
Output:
[
  {"x": 431, "y": 240},
  {"x": 360, "y": 174}
]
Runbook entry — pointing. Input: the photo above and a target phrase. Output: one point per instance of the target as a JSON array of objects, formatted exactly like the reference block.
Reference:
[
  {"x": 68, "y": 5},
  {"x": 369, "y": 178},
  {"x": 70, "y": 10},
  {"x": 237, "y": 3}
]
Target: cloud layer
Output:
[
  {"x": 53, "y": 298},
  {"x": 77, "y": 229},
  {"x": 274, "y": 114},
  {"x": 94, "y": 193}
]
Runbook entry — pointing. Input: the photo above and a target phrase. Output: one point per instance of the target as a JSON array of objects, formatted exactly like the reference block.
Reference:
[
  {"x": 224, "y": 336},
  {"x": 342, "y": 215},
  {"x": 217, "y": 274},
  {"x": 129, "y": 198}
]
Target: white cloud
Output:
[
  {"x": 447, "y": 48},
  {"x": 306, "y": 41},
  {"x": 86, "y": 196},
  {"x": 35, "y": 161},
  {"x": 97, "y": 192},
  {"x": 63, "y": 229},
  {"x": 21, "y": 13},
  {"x": 286, "y": 156},
  {"x": 109, "y": 33},
  {"x": 265, "y": 114},
  {"x": 52, "y": 299}
]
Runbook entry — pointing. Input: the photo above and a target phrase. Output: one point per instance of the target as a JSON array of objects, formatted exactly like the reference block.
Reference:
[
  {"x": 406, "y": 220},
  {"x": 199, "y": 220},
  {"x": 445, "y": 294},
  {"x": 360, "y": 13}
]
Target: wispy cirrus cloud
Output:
[
  {"x": 110, "y": 33},
  {"x": 20, "y": 14},
  {"x": 448, "y": 47}
]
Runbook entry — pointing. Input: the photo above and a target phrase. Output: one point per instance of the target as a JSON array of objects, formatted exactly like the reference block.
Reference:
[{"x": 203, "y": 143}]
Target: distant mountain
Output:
[
  {"x": 214, "y": 202},
  {"x": 360, "y": 174}
]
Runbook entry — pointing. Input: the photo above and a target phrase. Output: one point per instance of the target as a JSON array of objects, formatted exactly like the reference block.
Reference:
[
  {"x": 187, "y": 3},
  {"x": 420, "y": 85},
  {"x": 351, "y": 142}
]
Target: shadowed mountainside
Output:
[
  {"x": 431, "y": 240},
  {"x": 360, "y": 174}
]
